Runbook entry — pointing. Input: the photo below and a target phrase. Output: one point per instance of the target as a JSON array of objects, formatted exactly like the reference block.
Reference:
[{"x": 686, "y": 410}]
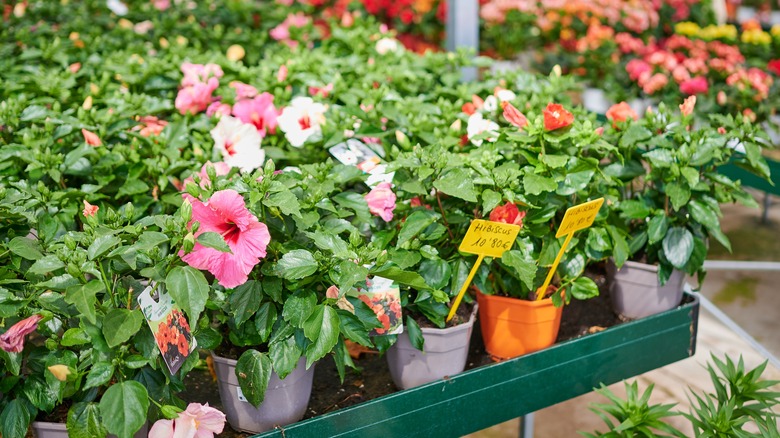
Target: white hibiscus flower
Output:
[
  {"x": 302, "y": 120},
  {"x": 239, "y": 143}
]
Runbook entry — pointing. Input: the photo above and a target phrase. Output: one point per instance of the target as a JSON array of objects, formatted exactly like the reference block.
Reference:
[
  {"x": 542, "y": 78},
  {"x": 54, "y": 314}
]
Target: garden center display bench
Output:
[{"x": 491, "y": 394}]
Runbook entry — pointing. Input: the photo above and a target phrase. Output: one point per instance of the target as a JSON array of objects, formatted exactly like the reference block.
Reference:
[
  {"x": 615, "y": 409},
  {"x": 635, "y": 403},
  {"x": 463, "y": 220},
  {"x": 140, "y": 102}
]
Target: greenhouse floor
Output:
[{"x": 749, "y": 298}]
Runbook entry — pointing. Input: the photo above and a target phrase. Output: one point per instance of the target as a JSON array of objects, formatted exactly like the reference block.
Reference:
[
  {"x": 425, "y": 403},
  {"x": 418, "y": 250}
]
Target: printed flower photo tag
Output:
[
  {"x": 383, "y": 296},
  {"x": 169, "y": 326},
  {"x": 356, "y": 153}
]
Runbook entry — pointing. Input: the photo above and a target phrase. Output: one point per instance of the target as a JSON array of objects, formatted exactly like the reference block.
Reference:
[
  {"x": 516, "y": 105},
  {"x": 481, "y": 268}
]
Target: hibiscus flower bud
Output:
[
  {"x": 235, "y": 53},
  {"x": 188, "y": 243},
  {"x": 185, "y": 211},
  {"x": 61, "y": 372}
]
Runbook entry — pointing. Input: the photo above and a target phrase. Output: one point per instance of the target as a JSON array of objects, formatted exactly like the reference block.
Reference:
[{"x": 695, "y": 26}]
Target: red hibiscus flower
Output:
[{"x": 556, "y": 117}]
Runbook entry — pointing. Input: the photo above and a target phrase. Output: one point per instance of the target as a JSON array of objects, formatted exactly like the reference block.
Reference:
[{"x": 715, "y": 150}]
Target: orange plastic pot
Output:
[{"x": 512, "y": 327}]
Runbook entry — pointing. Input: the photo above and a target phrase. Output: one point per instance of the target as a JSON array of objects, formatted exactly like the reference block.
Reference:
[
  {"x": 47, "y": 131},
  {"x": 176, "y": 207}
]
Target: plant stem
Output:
[{"x": 444, "y": 216}]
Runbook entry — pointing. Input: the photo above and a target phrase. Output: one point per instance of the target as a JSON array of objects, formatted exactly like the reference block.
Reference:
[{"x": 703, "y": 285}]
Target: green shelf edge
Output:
[{"x": 488, "y": 395}]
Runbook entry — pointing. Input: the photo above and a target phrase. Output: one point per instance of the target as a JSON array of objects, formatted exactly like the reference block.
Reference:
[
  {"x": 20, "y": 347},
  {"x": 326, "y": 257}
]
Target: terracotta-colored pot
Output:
[{"x": 512, "y": 327}]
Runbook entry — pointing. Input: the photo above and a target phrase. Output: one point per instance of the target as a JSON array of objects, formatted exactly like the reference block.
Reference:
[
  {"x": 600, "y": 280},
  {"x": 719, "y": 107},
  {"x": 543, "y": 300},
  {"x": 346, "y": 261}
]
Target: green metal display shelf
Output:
[{"x": 488, "y": 395}]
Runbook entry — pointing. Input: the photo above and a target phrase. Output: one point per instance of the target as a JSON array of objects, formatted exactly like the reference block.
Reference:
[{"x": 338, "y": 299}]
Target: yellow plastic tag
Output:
[
  {"x": 489, "y": 238},
  {"x": 579, "y": 217}
]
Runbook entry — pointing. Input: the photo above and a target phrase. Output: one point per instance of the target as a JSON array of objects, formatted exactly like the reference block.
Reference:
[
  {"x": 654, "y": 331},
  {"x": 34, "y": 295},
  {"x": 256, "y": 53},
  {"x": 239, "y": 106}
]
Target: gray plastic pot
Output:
[
  {"x": 445, "y": 353},
  {"x": 46, "y": 429},
  {"x": 285, "y": 399},
  {"x": 595, "y": 99},
  {"x": 636, "y": 292}
]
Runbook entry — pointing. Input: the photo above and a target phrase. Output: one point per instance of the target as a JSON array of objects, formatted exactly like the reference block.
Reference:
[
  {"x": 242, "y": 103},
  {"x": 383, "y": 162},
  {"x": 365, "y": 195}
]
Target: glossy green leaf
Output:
[
  {"x": 214, "y": 240},
  {"x": 120, "y": 325},
  {"x": 678, "y": 246},
  {"x": 101, "y": 245},
  {"x": 84, "y": 297},
  {"x": 415, "y": 223},
  {"x": 100, "y": 374},
  {"x": 189, "y": 289},
  {"x": 124, "y": 408},
  {"x": 415, "y": 333},
  {"x": 284, "y": 356},
  {"x": 326, "y": 324},
  {"x": 458, "y": 183},
  {"x": 15, "y": 419},
  {"x": 296, "y": 264},
  {"x": 298, "y": 307},
  {"x": 244, "y": 301},
  {"x": 657, "y": 228},
  {"x": 84, "y": 421},
  {"x": 253, "y": 371},
  {"x": 46, "y": 265},
  {"x": 25, "y": 248}
]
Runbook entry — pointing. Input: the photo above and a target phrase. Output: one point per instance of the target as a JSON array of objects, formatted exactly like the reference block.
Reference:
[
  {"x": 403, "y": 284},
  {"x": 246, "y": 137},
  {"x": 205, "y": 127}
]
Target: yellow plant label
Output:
[
  {"x": 579, "y": 217},
  {"x": 489, "y": 238}
]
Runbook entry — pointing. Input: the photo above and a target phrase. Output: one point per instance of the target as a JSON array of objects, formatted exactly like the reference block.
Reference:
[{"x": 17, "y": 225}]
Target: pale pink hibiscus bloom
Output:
[
  {"x": 225, "y": 213},
  {"x": 686, "y": 108},
  {"x": 281, "y": 75},
  {"x": 259, "y": 111},
  {"x": 239, "y": 143},
  {"x": 197, "y": 73},
  {"x": 381, "y": 201},
  {"x": 12, "y": 340},
  {"x": 243, "y": 91},
  {"x": 150, "y": 125},
  {"x": 198, "y": 421},
  {"x": 219, "y": 109},
  {"x": 197, "y": 97}
]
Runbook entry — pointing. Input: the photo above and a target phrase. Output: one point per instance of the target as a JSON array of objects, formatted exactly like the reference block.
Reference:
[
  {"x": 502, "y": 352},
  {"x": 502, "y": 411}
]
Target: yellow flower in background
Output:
[
  {"x": 712, "y": 32},
  {"x": 775, "y": 31},
  {"x": 687, "y": 28},
  {"x": 423, "y": 6},
  {"x": 756, "y": 36},
  {"x": 235, "y": 53}
]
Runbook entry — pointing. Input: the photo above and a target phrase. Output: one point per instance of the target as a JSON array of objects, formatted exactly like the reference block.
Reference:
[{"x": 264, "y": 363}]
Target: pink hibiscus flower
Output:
[
  {"x": 381, "y": 201},
  {"x": 197, "y": 97},
  {"x": 12, "y": 341},
  {"x": 198, "y": 421},
  {"x": 226, "y": 214},
  {"x": 259, "y": 111}
]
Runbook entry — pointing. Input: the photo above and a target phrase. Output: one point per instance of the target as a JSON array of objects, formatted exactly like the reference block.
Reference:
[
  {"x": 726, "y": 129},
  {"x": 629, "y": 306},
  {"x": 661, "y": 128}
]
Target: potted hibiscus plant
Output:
[
  {"x": 670, "y": 204},
  {"x": 94, "y": 364},
  {"x": 288, "y": 249}
]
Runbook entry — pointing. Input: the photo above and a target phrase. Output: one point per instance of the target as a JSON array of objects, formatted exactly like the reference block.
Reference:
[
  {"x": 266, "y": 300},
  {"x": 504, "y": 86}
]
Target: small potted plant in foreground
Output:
[
  {"x": 287, "y": 249},
  {"x": 670, "y": 205}
]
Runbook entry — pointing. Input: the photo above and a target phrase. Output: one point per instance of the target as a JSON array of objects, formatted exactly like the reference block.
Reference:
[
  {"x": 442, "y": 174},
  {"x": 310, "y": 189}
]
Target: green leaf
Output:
[
  {"x": 458, "y": 183},
  {"x": 554, "y": 161},
  {"x": 265, "y": 317},
  {"x": 253, "y": 371},
  {"x": 46, "y": 265},
  {"x": 584, "y": 288},
  {"x": 415, "y": 334},
  {"x": 353, "y": 329},
  {"x": 285, "y": 201},
  {"x": 214, "y": 240},
  {"x": 415, "y": 223},
  {"x": 208, "y": 338},
  {"x": 150, "y": 239},
  {"x": 284, "y": 356},
  {"x": 84, "y": 421},
  {"x": 328, "y": 334},
  {"x": 245, "y": 300},
  {"x": 678, "y": 194},
  {"x": 298, "y": 307},
  {"x": 436, "y": 272},
  {"x": 273, "y": 288},
  {"x": 328, "y": 241},
  {"x": 124, "y": 407},
  {"x": 634, "y": 134},
  {"x": 13, "y": 362},
  {"x": 705, "y": 215},
  {"x": 490, "y": 200},
  {"x": 14, "y": 420},
  {"x": 84, "y": 298},
  {"x": 101, "y": 245},
  {"x": 678, "y": 246},
  {"x": 25, "y": 248},
  {"x": 296, "y": 264},
  {"x": 189, "y": 289},
  {"x": 633, "y": 209},
  {"x": 523, "y": 266},
  {"x": 40, "y": 394},
  {"x": 133, "y": 187},
  {"x": 407, "y": 278},
  {"x": 657, "y": 228},
  {"x": 660, "y": 157},
  {"x": 120, "y": 325},
  {"x": 33, "y": 112},
  {"x": 536, "y": 184},
  {"x": 620, "y": 250},
  {"x": 99, "y": 375},
  {"x": 347, "y": 273}
]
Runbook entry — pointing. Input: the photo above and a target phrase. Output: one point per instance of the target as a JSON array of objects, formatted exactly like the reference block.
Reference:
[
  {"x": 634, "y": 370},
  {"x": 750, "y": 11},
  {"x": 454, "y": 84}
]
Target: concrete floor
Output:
[{"x": 750, "y": 298}]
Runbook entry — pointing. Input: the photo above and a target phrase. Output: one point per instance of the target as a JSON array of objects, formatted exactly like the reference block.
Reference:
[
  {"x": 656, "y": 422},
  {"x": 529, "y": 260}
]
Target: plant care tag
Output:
[
  {"x": 579, "y": 217},
  {"x": 169, "y": 326},
  {"x": 383, "y": 296},
  {"x": 489, "y": 238},
  {"x": 240, "y": 395},
  {"x": 356, "y": 153}
]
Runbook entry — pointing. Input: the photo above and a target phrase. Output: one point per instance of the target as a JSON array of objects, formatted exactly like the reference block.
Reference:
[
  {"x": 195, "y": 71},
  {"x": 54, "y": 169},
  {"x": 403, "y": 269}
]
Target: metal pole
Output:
[
  {"x": 463, "y": 30},
  {"x": 527, "y": 426}
]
